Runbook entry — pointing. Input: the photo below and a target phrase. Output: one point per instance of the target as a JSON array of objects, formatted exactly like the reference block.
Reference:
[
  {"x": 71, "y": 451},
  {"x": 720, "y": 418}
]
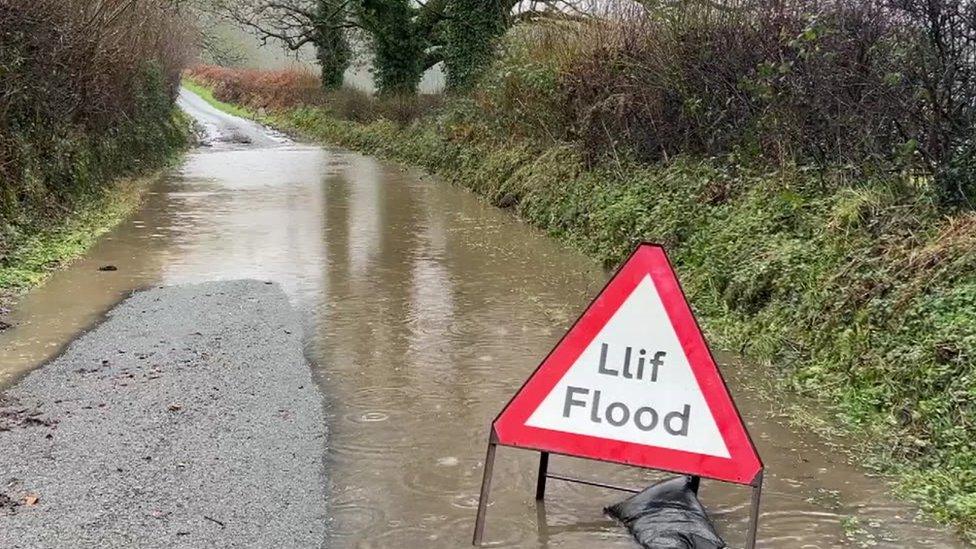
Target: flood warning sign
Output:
[{"x": 634, "y": 382}]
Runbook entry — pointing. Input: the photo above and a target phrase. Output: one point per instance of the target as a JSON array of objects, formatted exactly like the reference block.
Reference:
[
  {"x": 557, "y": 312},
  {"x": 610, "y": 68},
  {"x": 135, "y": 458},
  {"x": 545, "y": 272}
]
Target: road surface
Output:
[
  {"x": 188, "y": 418},
  {"x": 222, "y": 129}
]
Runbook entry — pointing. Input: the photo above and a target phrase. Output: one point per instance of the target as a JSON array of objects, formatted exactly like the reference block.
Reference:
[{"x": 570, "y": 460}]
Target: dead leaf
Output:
[
  {"x": 175, "y": 407},
  {"x": 31, "y": 500}
]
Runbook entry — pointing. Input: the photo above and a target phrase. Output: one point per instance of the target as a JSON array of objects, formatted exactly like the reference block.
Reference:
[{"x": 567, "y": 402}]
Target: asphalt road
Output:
[
  {"x": 220, "y": 129},
  {"x": 188, "y": 418}
]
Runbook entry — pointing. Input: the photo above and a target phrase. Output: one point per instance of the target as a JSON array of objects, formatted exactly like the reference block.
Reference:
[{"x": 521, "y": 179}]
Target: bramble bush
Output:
[{"x": 876, "y": 87}]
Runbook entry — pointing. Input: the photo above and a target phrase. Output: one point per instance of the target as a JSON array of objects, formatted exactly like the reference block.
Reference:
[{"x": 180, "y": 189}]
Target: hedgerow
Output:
[{"x": 86, "y": 95}]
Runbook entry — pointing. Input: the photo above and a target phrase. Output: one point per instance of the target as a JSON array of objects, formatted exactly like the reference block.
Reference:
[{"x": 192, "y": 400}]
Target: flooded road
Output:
[{"x": 424, "y": 310}]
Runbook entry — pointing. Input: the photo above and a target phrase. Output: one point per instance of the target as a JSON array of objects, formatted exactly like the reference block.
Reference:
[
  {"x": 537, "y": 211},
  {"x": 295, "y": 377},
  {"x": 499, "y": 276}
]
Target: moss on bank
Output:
[
  {"x": 110, "y": 178},
  {"x": 34, "y": 256},
  {"x": 858, "y": 293}
]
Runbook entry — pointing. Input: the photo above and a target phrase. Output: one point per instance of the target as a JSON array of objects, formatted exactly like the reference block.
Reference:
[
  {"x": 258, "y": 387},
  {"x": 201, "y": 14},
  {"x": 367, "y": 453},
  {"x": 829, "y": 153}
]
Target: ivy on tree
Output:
[
  {"x": 471, "y": 28},
  {"x": 406, "y": 37}
]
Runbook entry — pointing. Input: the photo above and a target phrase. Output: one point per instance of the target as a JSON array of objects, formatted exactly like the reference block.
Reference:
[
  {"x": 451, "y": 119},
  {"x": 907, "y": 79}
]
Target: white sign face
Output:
[{"x": 633, "y": 383}]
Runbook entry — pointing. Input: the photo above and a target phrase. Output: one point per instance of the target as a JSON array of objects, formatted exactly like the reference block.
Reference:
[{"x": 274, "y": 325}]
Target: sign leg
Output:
[
  {"x": 540, "y": 485},
  {"x": 479, "y": 523},
  {"x": 754, "y": 512},
  {"x": 541, "y": 523}
]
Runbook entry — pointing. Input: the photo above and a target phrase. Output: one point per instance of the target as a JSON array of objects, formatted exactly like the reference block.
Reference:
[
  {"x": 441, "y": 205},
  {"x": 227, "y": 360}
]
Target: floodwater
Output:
[{"x": 424, "y": 310}]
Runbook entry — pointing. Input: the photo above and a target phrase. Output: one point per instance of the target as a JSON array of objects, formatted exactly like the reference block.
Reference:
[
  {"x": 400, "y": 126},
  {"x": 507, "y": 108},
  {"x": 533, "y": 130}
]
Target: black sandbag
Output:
[{"x": 667, "y": 515}]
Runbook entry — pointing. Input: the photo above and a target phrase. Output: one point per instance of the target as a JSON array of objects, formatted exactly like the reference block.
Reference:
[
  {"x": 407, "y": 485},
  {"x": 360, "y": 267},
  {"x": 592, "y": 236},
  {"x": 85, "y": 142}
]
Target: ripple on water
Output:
[
  {"x": 441, "y": 481},
  {"x": 465, "y": 500},
  {"x": 376, "y": 397},
  {"x": 442, "y": 531},
  {"x": 355, "y": 518},
  {"x": 372, "y": 416},
  {"x": 388, "y": 436},
  {"x": 356, "y": 448},
  {"x": 791, "y": 527}
]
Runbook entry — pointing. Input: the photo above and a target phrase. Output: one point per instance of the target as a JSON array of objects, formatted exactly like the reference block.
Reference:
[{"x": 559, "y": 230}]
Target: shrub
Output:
[
  {"x": 279, "y": 90},
  {"x": 873, "y": 86},
  {"x": 520, "y": 97},
  {"x": 260, "y": 89},
  {"x": 86, "y": 91}
]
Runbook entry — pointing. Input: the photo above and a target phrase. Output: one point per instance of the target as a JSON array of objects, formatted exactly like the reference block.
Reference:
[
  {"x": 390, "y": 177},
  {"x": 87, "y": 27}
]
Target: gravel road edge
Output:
[{"x": 188, "y": 418}]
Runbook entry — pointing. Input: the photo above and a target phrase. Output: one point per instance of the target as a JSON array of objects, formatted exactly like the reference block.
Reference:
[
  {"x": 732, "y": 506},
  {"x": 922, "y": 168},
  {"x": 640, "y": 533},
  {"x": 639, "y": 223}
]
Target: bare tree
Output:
[
  {"x": 406, "y": 37},
  {"x": 295, "y": 24}
]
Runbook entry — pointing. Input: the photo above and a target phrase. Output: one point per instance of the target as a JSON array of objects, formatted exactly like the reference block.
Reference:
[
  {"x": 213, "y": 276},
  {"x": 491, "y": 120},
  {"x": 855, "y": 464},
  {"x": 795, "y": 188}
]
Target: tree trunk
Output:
[
  {"x": 331, "y": 45},
  {"x": 473, "y": 27}
]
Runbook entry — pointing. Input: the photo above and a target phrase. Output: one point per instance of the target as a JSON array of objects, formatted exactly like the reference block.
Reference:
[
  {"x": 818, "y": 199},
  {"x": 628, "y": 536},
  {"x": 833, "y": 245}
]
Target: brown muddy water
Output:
[{"x": 424, "y": 310}]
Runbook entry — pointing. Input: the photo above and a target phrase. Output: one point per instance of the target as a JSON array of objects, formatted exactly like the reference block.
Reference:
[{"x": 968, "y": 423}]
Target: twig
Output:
[{"x": 222, "y": 525}]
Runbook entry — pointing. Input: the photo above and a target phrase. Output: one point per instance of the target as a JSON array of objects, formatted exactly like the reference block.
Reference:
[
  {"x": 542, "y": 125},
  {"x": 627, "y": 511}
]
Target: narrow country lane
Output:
[
  {"x": 423, "y": 309},
  {"x": 222, "y": 129}
]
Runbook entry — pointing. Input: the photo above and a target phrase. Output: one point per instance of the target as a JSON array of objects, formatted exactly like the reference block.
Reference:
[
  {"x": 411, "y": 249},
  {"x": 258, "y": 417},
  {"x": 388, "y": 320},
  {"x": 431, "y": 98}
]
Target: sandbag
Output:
[{"x": 667, "y": 515}]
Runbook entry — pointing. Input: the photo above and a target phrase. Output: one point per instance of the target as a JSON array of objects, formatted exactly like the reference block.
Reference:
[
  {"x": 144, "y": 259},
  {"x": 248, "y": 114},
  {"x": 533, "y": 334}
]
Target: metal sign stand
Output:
[{"x": 544, "y": 475}]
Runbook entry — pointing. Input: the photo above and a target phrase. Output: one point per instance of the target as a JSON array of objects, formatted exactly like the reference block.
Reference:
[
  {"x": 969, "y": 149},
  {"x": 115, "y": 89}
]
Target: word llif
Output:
[{"x": 617, "y": 414}]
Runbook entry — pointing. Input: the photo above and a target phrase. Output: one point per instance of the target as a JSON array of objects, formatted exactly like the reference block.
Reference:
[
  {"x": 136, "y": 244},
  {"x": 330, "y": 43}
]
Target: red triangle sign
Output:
[{"x": 633, "y": 382}]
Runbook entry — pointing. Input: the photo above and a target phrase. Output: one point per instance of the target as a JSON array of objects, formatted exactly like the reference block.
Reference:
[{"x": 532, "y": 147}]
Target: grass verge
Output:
[
  {"x": 45, "y": 240},
  {"x": 35, "y": 256},
  {"x": 207, "y": 95}
]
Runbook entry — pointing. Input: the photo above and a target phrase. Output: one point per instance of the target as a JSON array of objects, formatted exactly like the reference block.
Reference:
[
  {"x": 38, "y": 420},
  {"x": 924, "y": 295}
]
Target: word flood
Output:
[
  {"x": 618, "y": 414},
  {"x": 625, "y": 370}
]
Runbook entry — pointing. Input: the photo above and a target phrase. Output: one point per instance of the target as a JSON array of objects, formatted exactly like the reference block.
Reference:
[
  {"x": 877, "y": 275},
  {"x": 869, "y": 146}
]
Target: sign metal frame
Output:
[{"x": 755, "y": 484}]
